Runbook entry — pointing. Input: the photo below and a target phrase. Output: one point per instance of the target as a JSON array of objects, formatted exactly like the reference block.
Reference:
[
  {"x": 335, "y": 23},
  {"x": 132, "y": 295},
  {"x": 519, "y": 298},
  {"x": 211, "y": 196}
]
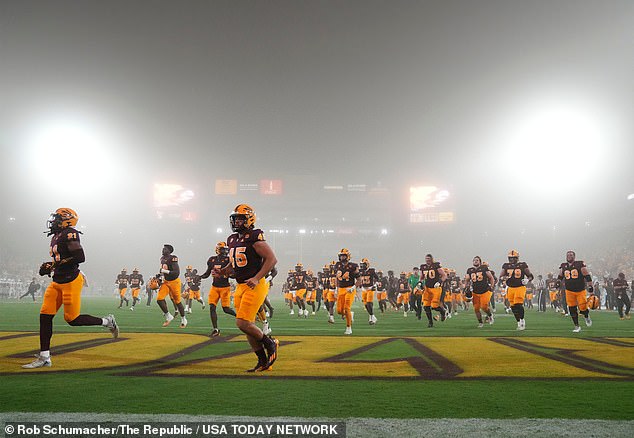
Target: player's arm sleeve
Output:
[{"x": 76, "y": 254}]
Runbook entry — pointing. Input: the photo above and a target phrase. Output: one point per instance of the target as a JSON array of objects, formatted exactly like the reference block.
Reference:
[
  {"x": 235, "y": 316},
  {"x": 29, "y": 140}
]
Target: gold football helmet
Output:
[
  {"x": 62, "y": 218},
  {"x": 344, "y": 255},
  {"x": 222, "y": 248},
  {"x": 242, "y": 211}
]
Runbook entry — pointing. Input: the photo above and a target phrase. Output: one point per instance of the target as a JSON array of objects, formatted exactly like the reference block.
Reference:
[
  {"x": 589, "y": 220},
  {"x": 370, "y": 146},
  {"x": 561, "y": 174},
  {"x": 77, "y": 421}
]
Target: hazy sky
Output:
[{"x": 395, "y": 91}]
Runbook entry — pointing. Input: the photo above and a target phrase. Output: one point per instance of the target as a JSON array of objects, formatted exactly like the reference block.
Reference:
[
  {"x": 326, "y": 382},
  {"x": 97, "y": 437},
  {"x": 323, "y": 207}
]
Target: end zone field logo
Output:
[{"x": 314, "y": 357}]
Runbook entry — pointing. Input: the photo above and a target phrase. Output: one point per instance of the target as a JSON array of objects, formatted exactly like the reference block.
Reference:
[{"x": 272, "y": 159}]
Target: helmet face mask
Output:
[{"x": 299, "y": 267}]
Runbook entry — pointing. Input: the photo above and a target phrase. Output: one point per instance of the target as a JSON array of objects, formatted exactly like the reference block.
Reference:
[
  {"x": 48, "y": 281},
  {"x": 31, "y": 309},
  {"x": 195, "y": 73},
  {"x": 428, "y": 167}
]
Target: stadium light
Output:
[
  {"x": 549, "y": 137},
  {"x": 630, "y": 197},
  {"x": 302, "y": 231},
  {"x": 219, "y": 230},
  {"x": 383, "y": 231},
  {"x": 74, "y": 144}
]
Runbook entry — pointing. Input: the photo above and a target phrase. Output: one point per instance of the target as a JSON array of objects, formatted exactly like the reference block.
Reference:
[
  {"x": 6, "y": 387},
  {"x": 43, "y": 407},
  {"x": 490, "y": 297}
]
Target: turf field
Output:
[{"x": 397, "y": 369}]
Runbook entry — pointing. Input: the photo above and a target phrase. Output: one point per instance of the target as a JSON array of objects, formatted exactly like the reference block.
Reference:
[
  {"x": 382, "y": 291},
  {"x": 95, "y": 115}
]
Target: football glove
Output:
[
  {"x": 46, "y": 268},
  {"x": 436, "y": 285},
  {"x": 590, "y": 289},
  {"x": 525, "y": 281}
]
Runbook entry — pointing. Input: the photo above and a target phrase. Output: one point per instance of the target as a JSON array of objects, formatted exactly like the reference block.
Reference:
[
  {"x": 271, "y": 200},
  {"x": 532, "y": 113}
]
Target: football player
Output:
[
  {"x": 495, "y": 281},
  {"x": 136, "y": 281},
  {"x": 347, "y": 274},
  {"x": 392, "y": 289},
  {"x": 381, "y": 291},
  {"x": 479, "y": 283},
  {"x": 368, "y": 279},
  {"x": 299, "y": 286},
  {"x": 66, "y": 253},
  {"x": 220, "y": 288},
  {"x": 456, "y": 292},
  {"x": 251, "y": 259},
  {"x": 122, "y": 282},
  {"x": 517, "y": 275},
  {"x": 577, "y": 279},
  {"x": 622, "y": 300},
  {"x": 171, "y": 286},
  {"x": 290, "y": 292},
  {"x": 193, "y": 284},
  {"x": 311, "y": 290},
  {"x": 433, "y": 276},
  {"x": 330, "y": 288},
  {"x": 402, "y": 299}
]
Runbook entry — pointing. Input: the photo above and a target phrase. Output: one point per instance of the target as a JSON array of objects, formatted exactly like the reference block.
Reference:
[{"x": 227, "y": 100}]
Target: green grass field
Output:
[{"x": 396, "y": 369}]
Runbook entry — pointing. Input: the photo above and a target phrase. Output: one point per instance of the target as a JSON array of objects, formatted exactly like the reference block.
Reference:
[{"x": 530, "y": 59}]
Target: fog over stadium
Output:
[{"x": 391, "y": 128}]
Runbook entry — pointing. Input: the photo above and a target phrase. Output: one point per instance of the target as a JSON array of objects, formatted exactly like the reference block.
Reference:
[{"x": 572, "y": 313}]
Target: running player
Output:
[
  {"x": 67, "y": 253},
  {"x": 517, "y": 275},
  {"x": 577, "y": 279},
  {"x": 251, "y": 259},
  {"x": 220, "y": 289}
]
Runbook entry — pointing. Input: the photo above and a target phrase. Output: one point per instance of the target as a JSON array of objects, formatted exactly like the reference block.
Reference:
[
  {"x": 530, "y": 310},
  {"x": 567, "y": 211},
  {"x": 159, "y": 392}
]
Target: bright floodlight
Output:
[
  {"x": 302, "y": 231},
  {"x": 72, "y": 153},
  {"x": 219, "y": 230},
  {"x": 630, "y": 197},
  {"x": 553, "y": 142}
]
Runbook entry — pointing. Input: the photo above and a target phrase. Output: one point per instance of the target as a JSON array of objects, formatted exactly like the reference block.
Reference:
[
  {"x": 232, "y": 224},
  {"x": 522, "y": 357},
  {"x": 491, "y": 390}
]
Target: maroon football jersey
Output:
[
  {"x": 431, "y": 273},
  {"x": 515, "y": 272},
  {"x": 60, "y": 250},
  {"x": 245, "y": 260},
  {"x": 573, "y": 276},
  {"x": 170, "y": 262},
  {"x": 346, "y": 273}
]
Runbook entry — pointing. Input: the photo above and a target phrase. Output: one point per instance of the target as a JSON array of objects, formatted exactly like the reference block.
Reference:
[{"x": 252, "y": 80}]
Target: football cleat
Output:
[
  {"x": 348, "y": 331},
  {"x": 168, "y": 319},
  {"x": 292, "y": 312},
  {"x": 430, "y": 325},
  {"x": 588, "y": 322},
  {"x": 577, "y": 329},
  {"x": 39, "y": 362},
  {"x": 258, "y": 367},
  {"x": 331, "y": 319},
  {"x": 111, "y": 324},
  {"x": 132, "y": 308},
  {"x": 404, "y": 314},
  {"x": 183, "y": 322},
  {"x": 272, "y": 353},
  {"x": 266, "y": 328},
  {"x": 491, "y": 320},
  {"x": 214, "y": 333},
  {"x": 480, "y": 325}
]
